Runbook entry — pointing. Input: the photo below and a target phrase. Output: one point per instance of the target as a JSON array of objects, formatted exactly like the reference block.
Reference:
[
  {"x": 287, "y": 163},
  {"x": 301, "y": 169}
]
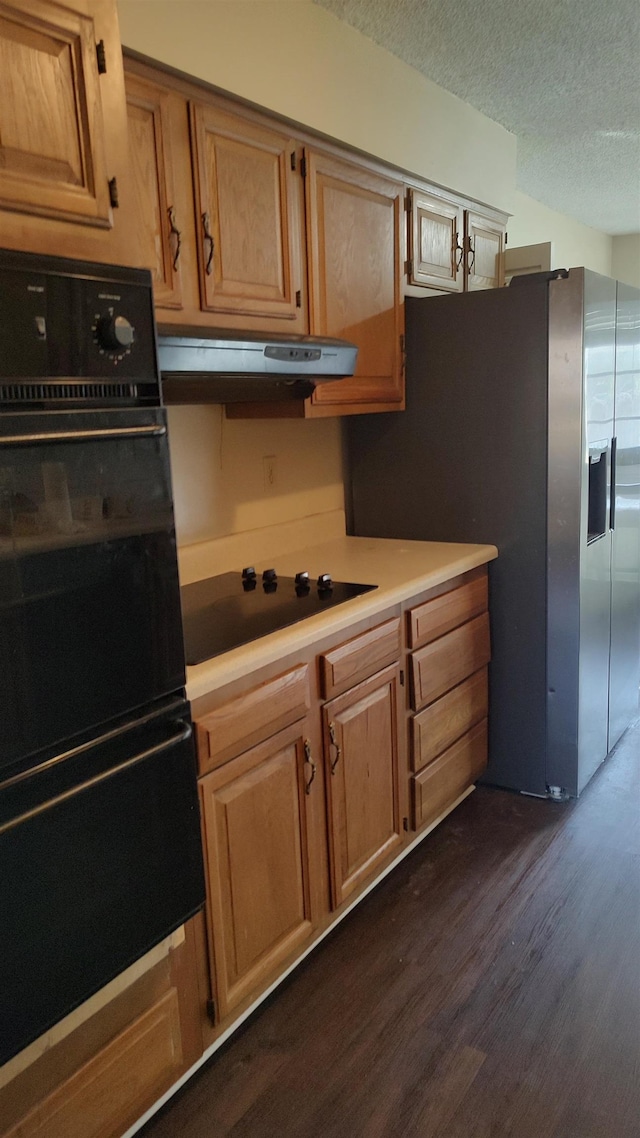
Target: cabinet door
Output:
[
  {"x": 436, "y": 230},
  {"x": 353, "y": 219},
  {"x": 52, "y": 156},
  {"x": 250, "y": 229},
  {"x": 361, "y": 753},
  {"x": 155, "y": 217},
  {"x": 484, "y": 248},
  {"x": 260, "y": 907}
]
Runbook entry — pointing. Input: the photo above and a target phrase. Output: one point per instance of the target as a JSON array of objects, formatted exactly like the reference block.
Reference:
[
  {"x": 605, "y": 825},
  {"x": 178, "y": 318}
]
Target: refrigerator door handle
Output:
[{"x": 612, "y": 503}]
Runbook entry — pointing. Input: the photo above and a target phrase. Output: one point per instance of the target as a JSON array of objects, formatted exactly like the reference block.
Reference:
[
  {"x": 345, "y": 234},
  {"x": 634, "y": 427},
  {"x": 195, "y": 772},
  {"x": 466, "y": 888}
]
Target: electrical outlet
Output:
[{"x": 270, "y": 472}]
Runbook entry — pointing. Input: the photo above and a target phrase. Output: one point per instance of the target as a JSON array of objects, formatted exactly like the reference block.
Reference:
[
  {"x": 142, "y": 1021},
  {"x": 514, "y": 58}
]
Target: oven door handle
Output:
[
  {"x": 151, "y": 429},
  {"x": 180, "y": 737}
]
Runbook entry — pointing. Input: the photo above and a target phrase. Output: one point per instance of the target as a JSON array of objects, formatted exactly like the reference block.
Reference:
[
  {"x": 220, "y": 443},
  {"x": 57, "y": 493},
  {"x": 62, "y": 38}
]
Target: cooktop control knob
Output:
[
  {"x": 249, "y": 574},
  {"x": 114, "y": 333},
  {"x": 302, "y": 584},
  {"x": 269, "y": 575},
  {"x": 325, "y": 584}
]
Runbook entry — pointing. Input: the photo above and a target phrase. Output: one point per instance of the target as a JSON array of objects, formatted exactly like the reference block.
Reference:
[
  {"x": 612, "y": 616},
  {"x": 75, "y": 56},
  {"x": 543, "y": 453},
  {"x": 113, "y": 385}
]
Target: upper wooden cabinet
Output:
[
  {"x": 63, "y": 133},
  {"x": 153, "y": 115},
  {"x": 354, "y": 242},
  {"x": 484, "y": 249},
  {"x": 451, "y": 248},
  {"x": 249, "y": 219},
  {"x": 52, "y": 148},
  {"x": 436, "y": 234}
]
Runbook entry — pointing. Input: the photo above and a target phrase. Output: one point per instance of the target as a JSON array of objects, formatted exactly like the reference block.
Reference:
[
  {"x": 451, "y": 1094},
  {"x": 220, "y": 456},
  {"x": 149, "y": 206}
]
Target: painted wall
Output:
[
  {"x": 301, "y": 61},
  {"x": 218, "y": 471},
  {"x": 573, "y": 243},
  {"x": 626, "y": 258}
]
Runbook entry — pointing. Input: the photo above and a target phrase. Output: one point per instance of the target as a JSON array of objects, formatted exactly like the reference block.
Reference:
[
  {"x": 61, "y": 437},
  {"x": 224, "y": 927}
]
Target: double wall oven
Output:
[{"x": 100, "y": 854}]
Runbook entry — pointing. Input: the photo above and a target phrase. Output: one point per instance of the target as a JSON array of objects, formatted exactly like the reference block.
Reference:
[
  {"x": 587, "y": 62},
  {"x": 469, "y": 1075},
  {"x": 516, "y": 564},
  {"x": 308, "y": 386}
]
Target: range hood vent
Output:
[{"x": 213, "y": 366}]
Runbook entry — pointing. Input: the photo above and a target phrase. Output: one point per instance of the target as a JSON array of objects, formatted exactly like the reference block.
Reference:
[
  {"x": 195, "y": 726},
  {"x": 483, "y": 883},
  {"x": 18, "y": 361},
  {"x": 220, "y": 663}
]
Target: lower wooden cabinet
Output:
[
  {"x": 113, "y": 1058},
  {"x": 258, "y": 861},
  {"x": 362, "y": 776}
]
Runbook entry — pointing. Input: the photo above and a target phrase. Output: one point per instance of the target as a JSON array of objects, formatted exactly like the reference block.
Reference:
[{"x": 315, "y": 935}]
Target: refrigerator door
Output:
[
  {"x": 624, "y": 672},
  {"x": 595, "y": 537}
]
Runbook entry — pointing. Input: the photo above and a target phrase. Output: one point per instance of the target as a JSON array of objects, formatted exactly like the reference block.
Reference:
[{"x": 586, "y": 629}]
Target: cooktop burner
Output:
[{"x": 222, "y": 612}]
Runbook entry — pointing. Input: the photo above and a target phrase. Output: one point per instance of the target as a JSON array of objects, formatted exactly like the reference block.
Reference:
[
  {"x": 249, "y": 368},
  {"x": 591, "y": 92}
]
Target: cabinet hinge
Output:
[
  {"x": 405, "y": 823},
  {"x": 101, "y": 56},
  {"x": 113, "y": 192},
  {"x": 293, "y": 159},
  {"x": 298, "y": 299},
  {"x": 402, "y": 677},
  {"x": 506, "y": 238},
  {"x": 303, "y": 165},
  {"x": 408, "y": 268},
  {"x": 407, "y": 202},
  {"x": 211, "y": 1010}
]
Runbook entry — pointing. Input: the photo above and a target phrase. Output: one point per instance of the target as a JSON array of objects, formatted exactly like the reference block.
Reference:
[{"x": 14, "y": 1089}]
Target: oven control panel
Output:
[{"x": 72, "y": 319}]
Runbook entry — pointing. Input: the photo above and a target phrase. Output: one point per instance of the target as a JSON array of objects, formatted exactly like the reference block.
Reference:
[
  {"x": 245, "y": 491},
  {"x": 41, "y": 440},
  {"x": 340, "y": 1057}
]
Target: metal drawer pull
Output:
[
  {"x": 174, "y": 232},
  {"x": 335, "y": 744},
  {"x": 81, "y": 436},
  {"x": 208, "y": 237},
  {"x": 157, "y": 749},
  {"x": 309, "y": 760}
]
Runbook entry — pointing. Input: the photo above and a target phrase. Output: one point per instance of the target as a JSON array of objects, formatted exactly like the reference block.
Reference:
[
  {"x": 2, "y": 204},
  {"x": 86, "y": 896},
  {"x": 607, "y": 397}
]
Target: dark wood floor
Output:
[{"x": 490, "y": 987}]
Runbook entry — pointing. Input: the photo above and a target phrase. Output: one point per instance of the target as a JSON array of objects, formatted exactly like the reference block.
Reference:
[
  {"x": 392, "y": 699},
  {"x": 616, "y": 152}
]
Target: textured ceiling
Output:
[{"x": 562, "y": 75}]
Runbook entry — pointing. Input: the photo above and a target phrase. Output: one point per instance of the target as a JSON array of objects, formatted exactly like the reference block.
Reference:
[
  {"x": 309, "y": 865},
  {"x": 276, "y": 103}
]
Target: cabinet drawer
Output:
[
  {"x": 109, "y": 1092},
  {"x": 448, "y": 661},
  {"x": 346, "y": 665},
  {"x": 445, "y": 779},
  {"x": 440, "y": 724},
  {"x": 251, "y": 717},
  {"x": 432, "y": 619}
]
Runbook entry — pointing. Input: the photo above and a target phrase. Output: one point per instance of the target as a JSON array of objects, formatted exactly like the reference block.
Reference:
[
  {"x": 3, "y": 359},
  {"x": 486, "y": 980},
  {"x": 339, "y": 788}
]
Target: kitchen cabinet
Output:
[
  {"x": 117, "y": 1055},
  {"x": 62, "y": 129},
  {"x": 354, "y": 238},
  {"x": 361, "y": 754},
  {"x": 449, "y": 651},
  {"x": 275, "y": 235},
  {"x": 250, "y": 220},
  {"x": 452, "y": 248}
]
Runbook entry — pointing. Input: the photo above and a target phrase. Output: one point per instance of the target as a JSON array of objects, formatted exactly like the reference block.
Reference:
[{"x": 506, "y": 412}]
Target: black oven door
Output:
[
  {"x": 101, "y": 858},
  {"x": 90, "y": 624}
]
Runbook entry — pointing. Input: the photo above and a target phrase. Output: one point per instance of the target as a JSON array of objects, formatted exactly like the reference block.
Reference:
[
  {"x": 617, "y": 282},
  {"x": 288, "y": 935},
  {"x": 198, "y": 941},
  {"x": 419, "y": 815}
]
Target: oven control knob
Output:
[
  {"x": 114, "y": 333},
  {"x": 269, "y": 576},
  {"x": 325, "y": 584}
]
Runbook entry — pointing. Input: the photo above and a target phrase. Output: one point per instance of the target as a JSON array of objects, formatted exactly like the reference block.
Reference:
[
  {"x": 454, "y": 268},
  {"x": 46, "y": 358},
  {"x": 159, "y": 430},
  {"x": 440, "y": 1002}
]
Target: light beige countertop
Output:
[{"x": 400, "y": 569}]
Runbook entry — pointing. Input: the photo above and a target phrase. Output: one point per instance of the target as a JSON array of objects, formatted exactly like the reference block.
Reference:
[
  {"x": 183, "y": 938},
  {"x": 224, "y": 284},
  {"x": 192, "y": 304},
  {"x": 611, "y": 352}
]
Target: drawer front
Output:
[
  {"x": 434, "y": 618},
  {"x": 113, "y": 1088},
  {"x": 440, "y": 724},
  {"x": 447, "y": 777},
  {"x": 254, "y": 715},
  {"x": 349, "y": 663},
  {"x": 438, "y": 667}
]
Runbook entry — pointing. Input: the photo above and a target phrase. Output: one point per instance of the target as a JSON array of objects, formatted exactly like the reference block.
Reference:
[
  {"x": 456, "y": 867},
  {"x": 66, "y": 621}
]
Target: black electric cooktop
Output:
[{"x": 222, "y": 612}]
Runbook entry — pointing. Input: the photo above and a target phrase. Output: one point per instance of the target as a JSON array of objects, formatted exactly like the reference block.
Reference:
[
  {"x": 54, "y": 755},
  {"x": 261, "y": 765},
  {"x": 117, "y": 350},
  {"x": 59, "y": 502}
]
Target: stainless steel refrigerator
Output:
[{"x": 522, "y": 429}]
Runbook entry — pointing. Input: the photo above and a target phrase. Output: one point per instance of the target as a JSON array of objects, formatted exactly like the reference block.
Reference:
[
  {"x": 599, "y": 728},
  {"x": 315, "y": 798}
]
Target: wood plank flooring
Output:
[{"x": 489, "y": 988}]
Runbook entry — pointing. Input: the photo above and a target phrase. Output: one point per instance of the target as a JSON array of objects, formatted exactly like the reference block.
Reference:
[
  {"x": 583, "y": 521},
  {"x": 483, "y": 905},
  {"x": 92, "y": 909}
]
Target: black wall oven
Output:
[{"x": 100, "y": 854}]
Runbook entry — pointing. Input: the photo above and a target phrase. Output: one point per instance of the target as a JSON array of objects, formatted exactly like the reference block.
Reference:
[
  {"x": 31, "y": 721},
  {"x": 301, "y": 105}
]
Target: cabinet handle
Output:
[
  {"x": 208, "y": 237},
  {"x": 309, "y": 760},
  {"x": 459, "y": 252},
  {"x": 174, "y": 232},
  {"x": 335, "y": 744},
  {"x": 472, "y": 258}
]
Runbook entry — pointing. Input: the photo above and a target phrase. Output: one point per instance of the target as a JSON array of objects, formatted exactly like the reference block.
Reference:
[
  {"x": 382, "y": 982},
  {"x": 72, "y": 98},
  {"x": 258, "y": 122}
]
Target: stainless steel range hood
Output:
[{"x": 214, "y": 366}]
